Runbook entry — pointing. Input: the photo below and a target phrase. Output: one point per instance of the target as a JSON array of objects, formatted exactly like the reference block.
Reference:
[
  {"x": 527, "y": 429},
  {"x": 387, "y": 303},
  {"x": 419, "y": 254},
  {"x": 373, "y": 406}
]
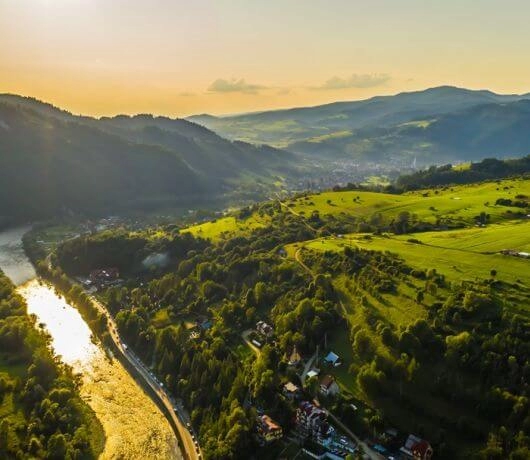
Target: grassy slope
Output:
[
  {"x": 226, "y": 227},
  {"x": 462, "y": 254},
  {"x": 458, "y": 203},
  {"x": 458, "y": 254}
]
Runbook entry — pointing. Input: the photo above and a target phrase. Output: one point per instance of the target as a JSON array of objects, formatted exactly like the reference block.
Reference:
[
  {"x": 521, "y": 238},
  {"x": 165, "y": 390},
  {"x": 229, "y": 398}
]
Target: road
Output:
[
  {"x": 294, "y": 213},
  {"x": 298, "y": 258},
  {"x": 253, "y": 347},
  {"x": 371, "y": 454},
  {"x": 191, "y": 450},
  {"x": 307, "y": 366}
]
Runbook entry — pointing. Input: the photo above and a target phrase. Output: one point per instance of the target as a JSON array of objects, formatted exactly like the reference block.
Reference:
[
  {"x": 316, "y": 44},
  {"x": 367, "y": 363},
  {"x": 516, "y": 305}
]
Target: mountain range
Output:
[
  {"x": 52, "y": 161},
  {"x": 436, "y": 125}
]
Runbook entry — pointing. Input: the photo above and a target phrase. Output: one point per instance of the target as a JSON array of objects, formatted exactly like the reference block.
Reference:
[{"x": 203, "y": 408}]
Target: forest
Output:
[
  {"x": 41, "y": 412},
  {"x": 454, "y": 372},
  {"x": 487, "y": 169}
]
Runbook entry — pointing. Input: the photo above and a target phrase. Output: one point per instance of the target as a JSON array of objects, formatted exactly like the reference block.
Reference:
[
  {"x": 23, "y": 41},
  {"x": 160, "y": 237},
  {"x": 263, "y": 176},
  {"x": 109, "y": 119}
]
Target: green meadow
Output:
[
  {"x": 459, "y": 203},
  {"x": 458, "y": 254}
]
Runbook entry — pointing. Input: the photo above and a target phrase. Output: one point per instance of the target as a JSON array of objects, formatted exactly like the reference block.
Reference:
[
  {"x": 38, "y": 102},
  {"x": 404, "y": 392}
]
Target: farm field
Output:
[
  {"x": 226, "y": 226},
  {"x": 443, "y": 252},
  {"x": 460, "y": 203}
]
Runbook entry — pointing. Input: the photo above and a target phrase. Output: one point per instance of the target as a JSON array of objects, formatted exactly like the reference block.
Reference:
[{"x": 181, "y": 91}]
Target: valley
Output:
[{"x": 398, "y": 286}]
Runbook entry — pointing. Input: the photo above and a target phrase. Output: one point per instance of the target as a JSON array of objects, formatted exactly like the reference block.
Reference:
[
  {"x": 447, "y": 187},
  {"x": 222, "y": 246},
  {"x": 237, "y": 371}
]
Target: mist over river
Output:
[{"x": 134, "y": 426}]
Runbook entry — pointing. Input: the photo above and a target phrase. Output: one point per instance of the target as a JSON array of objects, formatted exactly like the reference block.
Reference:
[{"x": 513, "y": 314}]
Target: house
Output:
[
  {"x": 268, "y": 430},
  {"x": 294, "y": 358},
  {"x": 332, "y": 359},
  {"x": 328, "y": 386},
  {"x": 291, "y": 391},
  {"x": 416, "y": 449},
  {"x": 312, "y": 373},
  {"x": 313, "y": 421},
  {"x": 265, "y": 329},
  {"x": 104, "y": 275},
  {"x": 203, "y": 323}
]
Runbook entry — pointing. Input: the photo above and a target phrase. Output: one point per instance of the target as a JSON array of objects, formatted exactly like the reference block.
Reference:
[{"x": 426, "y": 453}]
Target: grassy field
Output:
[
  {"x": 466, "y": 254},
  {"x": 225, "y": 227},
  {"x": 460, "y": 203},
  {"x": 459, "y": 255}
]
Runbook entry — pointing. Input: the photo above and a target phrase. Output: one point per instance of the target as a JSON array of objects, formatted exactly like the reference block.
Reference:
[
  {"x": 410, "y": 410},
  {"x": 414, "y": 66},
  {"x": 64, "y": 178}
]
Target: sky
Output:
[{"x": 177, "y": 58}]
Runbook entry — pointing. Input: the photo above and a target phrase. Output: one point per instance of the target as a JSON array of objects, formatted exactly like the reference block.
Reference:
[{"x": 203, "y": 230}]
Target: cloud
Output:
[
  {"x": 283, "y": 91},
  {"x": 234, "y": 86},
  {"x": 356, "y": 81}
]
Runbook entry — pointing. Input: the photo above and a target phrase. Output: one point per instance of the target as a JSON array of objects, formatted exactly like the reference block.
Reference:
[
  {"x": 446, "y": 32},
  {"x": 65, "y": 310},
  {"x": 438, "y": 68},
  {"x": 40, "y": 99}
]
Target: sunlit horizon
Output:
[{"x": 177, "y": 59}]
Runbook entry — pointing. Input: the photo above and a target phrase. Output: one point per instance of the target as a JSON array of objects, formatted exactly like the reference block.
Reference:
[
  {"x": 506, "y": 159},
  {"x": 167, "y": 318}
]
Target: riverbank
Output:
[
  {"x": 102, "y": 325},
  {"x": 134, "y": 427}
]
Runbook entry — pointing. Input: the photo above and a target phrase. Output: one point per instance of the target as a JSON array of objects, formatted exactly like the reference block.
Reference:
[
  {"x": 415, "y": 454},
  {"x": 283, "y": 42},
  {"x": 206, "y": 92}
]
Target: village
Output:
[{"x": 315, "y": 431}]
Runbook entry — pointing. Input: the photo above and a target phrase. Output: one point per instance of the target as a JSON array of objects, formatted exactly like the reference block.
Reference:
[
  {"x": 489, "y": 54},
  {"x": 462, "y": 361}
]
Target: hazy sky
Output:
[{"x": 180, "y": 57}]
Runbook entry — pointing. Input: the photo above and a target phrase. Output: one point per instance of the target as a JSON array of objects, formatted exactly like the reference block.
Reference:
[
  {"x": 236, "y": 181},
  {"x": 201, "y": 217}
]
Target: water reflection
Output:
[
  {"x": 134, "y": 427},
  {"x": 13, "y": 260},
  {"x": 71, "y": 336}
]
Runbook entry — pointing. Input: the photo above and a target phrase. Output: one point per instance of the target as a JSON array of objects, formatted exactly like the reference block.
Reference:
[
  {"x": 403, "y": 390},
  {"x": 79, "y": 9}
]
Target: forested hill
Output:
[
  {"x": 433, "y": 126},
  {"x": 487, "y": 169},
  {"x": 53, "y": 162}
]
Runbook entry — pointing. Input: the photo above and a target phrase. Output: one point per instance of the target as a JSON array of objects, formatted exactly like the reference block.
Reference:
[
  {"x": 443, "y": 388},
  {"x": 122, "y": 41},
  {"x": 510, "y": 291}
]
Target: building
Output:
[
  {"x": 294, "y": 358},
  {"x": 268, "y": 430},
  {"x": 416, "y": 449},
  {"x": 291, "y": 391},
  {"x": 264, "y": 329},
  {"x": 313, "y": 421},
  {"x": 328, "y": 386},
  {"x": 332, "y": 359},
  {"x": 312, "y": 373},
  {"x": 203, "y": 323},
  {"x": 104, "y": 276}
]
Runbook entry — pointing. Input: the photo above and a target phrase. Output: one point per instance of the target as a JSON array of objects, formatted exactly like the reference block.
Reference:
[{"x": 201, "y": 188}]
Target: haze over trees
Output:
[
  {"x": 433, "y": 126},
  {"x": 52, "y": 162}
]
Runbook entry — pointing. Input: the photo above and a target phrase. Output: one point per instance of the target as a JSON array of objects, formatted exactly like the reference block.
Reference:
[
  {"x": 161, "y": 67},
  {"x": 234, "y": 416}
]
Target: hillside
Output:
[
  {"x": 435, "y": 126},
  {"x": 471, "y": 134},
  {"x": 49, "y": 166},
  {"x": 465, "y": 173},
  {"x": 54, "y": 162},
  {"x": 423, "y": 296}
]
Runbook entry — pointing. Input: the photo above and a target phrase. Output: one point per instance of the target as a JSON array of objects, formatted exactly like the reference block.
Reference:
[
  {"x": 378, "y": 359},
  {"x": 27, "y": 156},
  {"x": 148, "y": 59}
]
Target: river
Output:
[{"x": 134, "y": 426}]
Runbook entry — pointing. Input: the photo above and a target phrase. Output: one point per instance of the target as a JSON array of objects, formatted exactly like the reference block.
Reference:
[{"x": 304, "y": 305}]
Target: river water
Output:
[{"x": 134, "y": 426}]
